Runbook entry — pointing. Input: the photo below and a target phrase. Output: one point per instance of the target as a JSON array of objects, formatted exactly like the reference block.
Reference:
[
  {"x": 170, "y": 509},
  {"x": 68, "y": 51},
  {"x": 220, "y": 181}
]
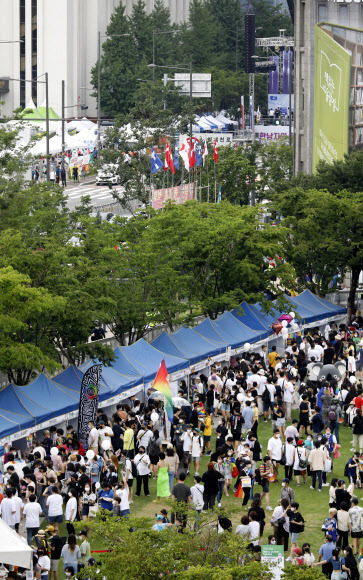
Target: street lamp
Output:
[
  {"x": 99, "y": 83},
  {"x": 156, "y": 33},
  {"x": 190, "y": 69}
]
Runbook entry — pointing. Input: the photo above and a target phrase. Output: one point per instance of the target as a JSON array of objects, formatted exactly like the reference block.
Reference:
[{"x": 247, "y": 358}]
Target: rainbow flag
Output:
[{"x": 161, "y": 383}]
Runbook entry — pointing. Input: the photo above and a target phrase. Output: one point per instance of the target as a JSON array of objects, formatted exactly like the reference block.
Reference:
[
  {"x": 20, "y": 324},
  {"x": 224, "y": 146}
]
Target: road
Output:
[{"x": 100, "y": 195}]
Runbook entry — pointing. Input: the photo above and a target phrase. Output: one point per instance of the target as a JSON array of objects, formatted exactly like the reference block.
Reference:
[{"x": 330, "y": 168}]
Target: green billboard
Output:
[{"x": 331, "y": 98}]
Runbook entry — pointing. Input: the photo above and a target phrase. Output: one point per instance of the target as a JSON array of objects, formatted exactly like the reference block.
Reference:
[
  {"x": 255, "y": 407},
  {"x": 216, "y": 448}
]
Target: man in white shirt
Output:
[
  {"x": 55, "y": 508},
  {"x": 142, "y": 462},
  {"x": 274, "y": 448},
  {"x": 144, "y": 436},
  {"x": 197, "y": 491},
  {"x": 18, "y": 502},
  {"x": 288, "y": 392},
  {"x": 291, "y": 431},
  {"x": 32, "y": 511},
  {"x": 93, "y": 437},
  {"x": 8, "y": 508},
  {"x": 314, "y": 352},
  {"x": 187, "y": 439},
  {"x": 104, "y": 433},
  {"x": 41, "y": 450}
]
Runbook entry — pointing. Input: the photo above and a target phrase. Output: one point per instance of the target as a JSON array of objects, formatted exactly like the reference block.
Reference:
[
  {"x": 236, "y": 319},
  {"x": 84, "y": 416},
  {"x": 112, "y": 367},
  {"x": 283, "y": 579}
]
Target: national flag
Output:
[
  {"x": 198, "y": 153},
  {"x": 219, "y": 195},
  {"x": 156, "y": 162},
  {"x": 192, "y": 159},
  {"x": 184, "y": 154},
  {"x": 169, "y": 163},
  {"x": 215, "y": 152},
  {"x": 205, "y": 152},
  {"x": 176, "y": 157},
  {"x": 161, "y": 384}
]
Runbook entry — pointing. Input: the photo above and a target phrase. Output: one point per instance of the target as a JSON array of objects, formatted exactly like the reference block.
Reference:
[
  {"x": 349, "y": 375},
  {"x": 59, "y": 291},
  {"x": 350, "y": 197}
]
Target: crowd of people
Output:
[{"x": 63, "y": 481}]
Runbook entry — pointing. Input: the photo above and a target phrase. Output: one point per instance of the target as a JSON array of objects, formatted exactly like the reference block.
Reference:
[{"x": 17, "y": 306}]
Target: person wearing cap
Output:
[
  {"x": 159, "y": 525},
  {"x": 286, "y": 491},
  {"x": 85, "y": 547},
  {"x": 55, "y": 545},
  {"x": 42, "y": 541},
  {"x": 298, "y": 558}
]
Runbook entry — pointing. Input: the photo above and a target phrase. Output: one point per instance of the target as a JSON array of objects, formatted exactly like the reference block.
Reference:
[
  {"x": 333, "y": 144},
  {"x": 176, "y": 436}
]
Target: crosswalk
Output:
[{"x": 99, "y": 195}]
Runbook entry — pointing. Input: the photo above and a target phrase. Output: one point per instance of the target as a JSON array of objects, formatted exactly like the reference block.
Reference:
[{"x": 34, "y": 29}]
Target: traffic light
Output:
[{"x": 250, "y": 43}]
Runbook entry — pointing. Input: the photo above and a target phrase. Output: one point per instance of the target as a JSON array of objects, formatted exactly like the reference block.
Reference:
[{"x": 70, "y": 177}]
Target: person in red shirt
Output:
[{"x": 358, "y": 401}]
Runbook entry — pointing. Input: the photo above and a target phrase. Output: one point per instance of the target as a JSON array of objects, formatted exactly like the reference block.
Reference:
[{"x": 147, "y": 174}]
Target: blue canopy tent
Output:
[
  {"x": 10, "y": 424},
  {"x": 319, "y": 307},
  {"x": 54, "y": 399},
  {"x": 17, "y": 411},
  {"x": 209, "y": 330},
  {"x": 71, "y": 379},
  {"x": 251, "y": 319},
  {"x": 115, "y": 382},
  {"x": 236, "y": 329},
  {"x": 201, "y": 346},
  {"x": 164, "y": 343},
  {"x": 146, "y": 359}
]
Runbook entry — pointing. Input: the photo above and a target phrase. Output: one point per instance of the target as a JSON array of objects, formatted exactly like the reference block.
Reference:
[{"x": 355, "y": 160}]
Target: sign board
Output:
[
  {"x": 221, "y": 138},
  {"x": 4, "y": 85},
  {"x": 178, "y": 194},
  {"x": 331, "y": 99},
  {"x": 272, "y": 132},
  {"x": 273, "y": 555},
  {"x": 281, "y": 101},
  {"x": 201, "y": 85}
]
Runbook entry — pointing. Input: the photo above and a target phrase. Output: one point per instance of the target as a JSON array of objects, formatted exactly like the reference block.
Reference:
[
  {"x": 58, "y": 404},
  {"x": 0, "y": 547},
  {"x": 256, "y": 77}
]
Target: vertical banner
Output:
[
  {"x": 88, "y": 401},
  {"x": 243, "y": 111},
  {"x": 274, "y": 76},
  {"x": 285, "y": 72}
]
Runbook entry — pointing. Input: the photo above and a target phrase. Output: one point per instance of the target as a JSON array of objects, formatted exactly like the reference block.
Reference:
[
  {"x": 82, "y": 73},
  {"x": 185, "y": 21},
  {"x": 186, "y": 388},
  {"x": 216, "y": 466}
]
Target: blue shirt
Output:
[
  {"x": 326, "y": 551},
  {"x": 247, "y": 414},
  {"x": 337, "y": 564},
  {"x": 106, "y": 505}
]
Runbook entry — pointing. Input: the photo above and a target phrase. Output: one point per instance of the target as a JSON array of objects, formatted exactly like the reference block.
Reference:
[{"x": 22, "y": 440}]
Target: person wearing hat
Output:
[
  {"x": 42, "y": 541},
  {"x": 85, "y": 547},
  {"x": 286, "y": 491},
  {"x": 159, "y": 525},
  {"x": 298, "y": 558},
  {"x": 55, "y": 545}
]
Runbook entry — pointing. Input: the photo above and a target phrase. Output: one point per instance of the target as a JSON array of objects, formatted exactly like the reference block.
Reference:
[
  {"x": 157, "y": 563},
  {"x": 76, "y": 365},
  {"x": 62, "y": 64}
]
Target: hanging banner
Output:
[
  {"x": 178, "y": 194},
  {"x": 88, "y": 401},
  {"x": 243, "y": 112}
]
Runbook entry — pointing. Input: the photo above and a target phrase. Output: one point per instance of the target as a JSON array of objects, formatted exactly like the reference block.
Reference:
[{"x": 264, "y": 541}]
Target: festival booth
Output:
[{"x": 14, "y": 551}]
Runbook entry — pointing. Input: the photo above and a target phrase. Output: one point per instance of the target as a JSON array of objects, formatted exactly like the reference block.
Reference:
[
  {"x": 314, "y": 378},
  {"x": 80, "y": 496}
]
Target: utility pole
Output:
[
  {"x": 153, "y": 55},
  {"x": 290, "y": 91},
  {"x": 237, "y": 49},
  {"x": 47, "y": 123},
  {"x": 99, "y": 95},
  {"x": 63, "y": 124}
]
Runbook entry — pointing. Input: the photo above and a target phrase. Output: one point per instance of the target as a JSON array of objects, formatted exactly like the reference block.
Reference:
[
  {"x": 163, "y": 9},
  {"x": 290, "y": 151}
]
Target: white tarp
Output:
[
  {"x": 81, "y": 124},
  {"x": 14, "y": 550},
  {"x": 211, "y": 119},
  {"x": 224, "y": 119}
]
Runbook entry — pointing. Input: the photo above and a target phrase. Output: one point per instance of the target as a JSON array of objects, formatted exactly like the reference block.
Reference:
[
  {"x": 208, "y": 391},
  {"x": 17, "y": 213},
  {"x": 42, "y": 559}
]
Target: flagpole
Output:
[
  {"x": 162, "y": 195},
  {"x": 215, "y": 184},
  {"x": 151, "y": 192},
  {"x": 208, "y": 180},
  {"x": 182, "y": 182}
]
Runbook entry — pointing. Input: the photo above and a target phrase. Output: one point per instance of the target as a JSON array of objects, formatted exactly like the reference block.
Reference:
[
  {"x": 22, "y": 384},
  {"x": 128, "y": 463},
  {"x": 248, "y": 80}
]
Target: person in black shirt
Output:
[
  {"x": 83, "y": 478},
  {"x": 194, "y": 419},
  {"x": 210, "y": 479},
  {"x": 296, "y": 524},
  {"x": 209, "y": 400},
  {"x": 222, "y": 432},
  {"x": 56, "y": 546},
  {"x": 236, "y": 427},
  {"x": 329, "y": 353},
  {"x": 341, "y": 494},
  {"x": 304, "y": 416}
]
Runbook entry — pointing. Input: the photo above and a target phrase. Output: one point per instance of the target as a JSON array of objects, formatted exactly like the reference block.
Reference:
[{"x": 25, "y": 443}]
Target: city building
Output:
[
  {"x": 307, "y": 14},
  {"x": 59, "y": 38}
]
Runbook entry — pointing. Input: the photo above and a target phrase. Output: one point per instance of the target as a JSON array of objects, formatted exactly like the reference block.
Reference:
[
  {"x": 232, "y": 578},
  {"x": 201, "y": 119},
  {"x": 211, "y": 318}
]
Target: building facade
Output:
[
  {"x": 59, "y": 38},
  {"x": 307, "y": 14}
]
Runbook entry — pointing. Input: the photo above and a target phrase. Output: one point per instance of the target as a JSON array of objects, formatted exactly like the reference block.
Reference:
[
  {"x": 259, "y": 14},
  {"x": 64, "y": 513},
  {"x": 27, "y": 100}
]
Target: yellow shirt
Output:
[
  {"x": 208, "y": 426},
  {"x": 272, "y": 358},
  {"x": 129, "y": 440}
]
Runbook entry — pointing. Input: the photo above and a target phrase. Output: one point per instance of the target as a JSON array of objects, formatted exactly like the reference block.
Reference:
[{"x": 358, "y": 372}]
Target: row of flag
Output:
[{"x": 191, "y": 154}]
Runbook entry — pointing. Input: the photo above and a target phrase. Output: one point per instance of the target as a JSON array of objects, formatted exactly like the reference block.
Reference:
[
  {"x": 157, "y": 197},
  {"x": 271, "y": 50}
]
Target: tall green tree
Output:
[
  {"x": 199, "y": 37},
  {"x": 229, "y": 17}
]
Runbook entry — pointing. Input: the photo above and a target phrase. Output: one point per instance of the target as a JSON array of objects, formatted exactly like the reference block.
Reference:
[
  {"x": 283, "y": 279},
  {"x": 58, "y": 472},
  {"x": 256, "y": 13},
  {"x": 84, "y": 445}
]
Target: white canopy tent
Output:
[
  {"x": 224, "y": 119},
  {"x": 81, "y": 124},
  {"x": 14, "y": 550},
  {"x": 214, "y": 121},
  {"x": 55, "y": 145}
]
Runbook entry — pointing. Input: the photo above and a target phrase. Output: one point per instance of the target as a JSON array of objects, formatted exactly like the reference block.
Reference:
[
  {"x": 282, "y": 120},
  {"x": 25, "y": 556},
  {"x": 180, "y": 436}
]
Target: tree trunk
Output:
[{"x": 353, "y": 288}]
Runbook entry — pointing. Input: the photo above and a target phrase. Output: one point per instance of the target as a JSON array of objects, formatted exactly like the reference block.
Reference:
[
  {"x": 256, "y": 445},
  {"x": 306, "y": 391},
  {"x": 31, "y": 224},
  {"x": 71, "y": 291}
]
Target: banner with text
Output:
[
  {"x": 272, "y": 132},
  {"x": 177, "y": 194},
  {"x": 331, "y": 99}
]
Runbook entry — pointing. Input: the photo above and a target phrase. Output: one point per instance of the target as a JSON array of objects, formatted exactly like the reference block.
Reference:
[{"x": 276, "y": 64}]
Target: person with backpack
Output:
[
  {"x": 358, "y": 431},
  {"x": 353, "y": 468},
  {"x": 262, "y": 477},
  {"x": 287, "y": 492},
  {"x": 331, "y": 444},
  {"x": 334, "y": 415}
]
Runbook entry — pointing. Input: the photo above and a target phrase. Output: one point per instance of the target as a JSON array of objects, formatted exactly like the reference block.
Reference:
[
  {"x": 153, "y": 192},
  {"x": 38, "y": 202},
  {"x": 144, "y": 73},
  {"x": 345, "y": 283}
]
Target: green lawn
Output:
[{"x": 313, "y": 504}]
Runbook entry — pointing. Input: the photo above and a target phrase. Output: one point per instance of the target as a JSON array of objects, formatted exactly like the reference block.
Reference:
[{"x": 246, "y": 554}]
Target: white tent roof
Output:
[
  {"x": 13, "y": 548},
  {"x": 204, "y": 124},
  {"x": 55, "y": 145},
  {"x": 80, "y": 124},
  {"x": 211, "y": 119},
  {"x": 224, "y": 119}
]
